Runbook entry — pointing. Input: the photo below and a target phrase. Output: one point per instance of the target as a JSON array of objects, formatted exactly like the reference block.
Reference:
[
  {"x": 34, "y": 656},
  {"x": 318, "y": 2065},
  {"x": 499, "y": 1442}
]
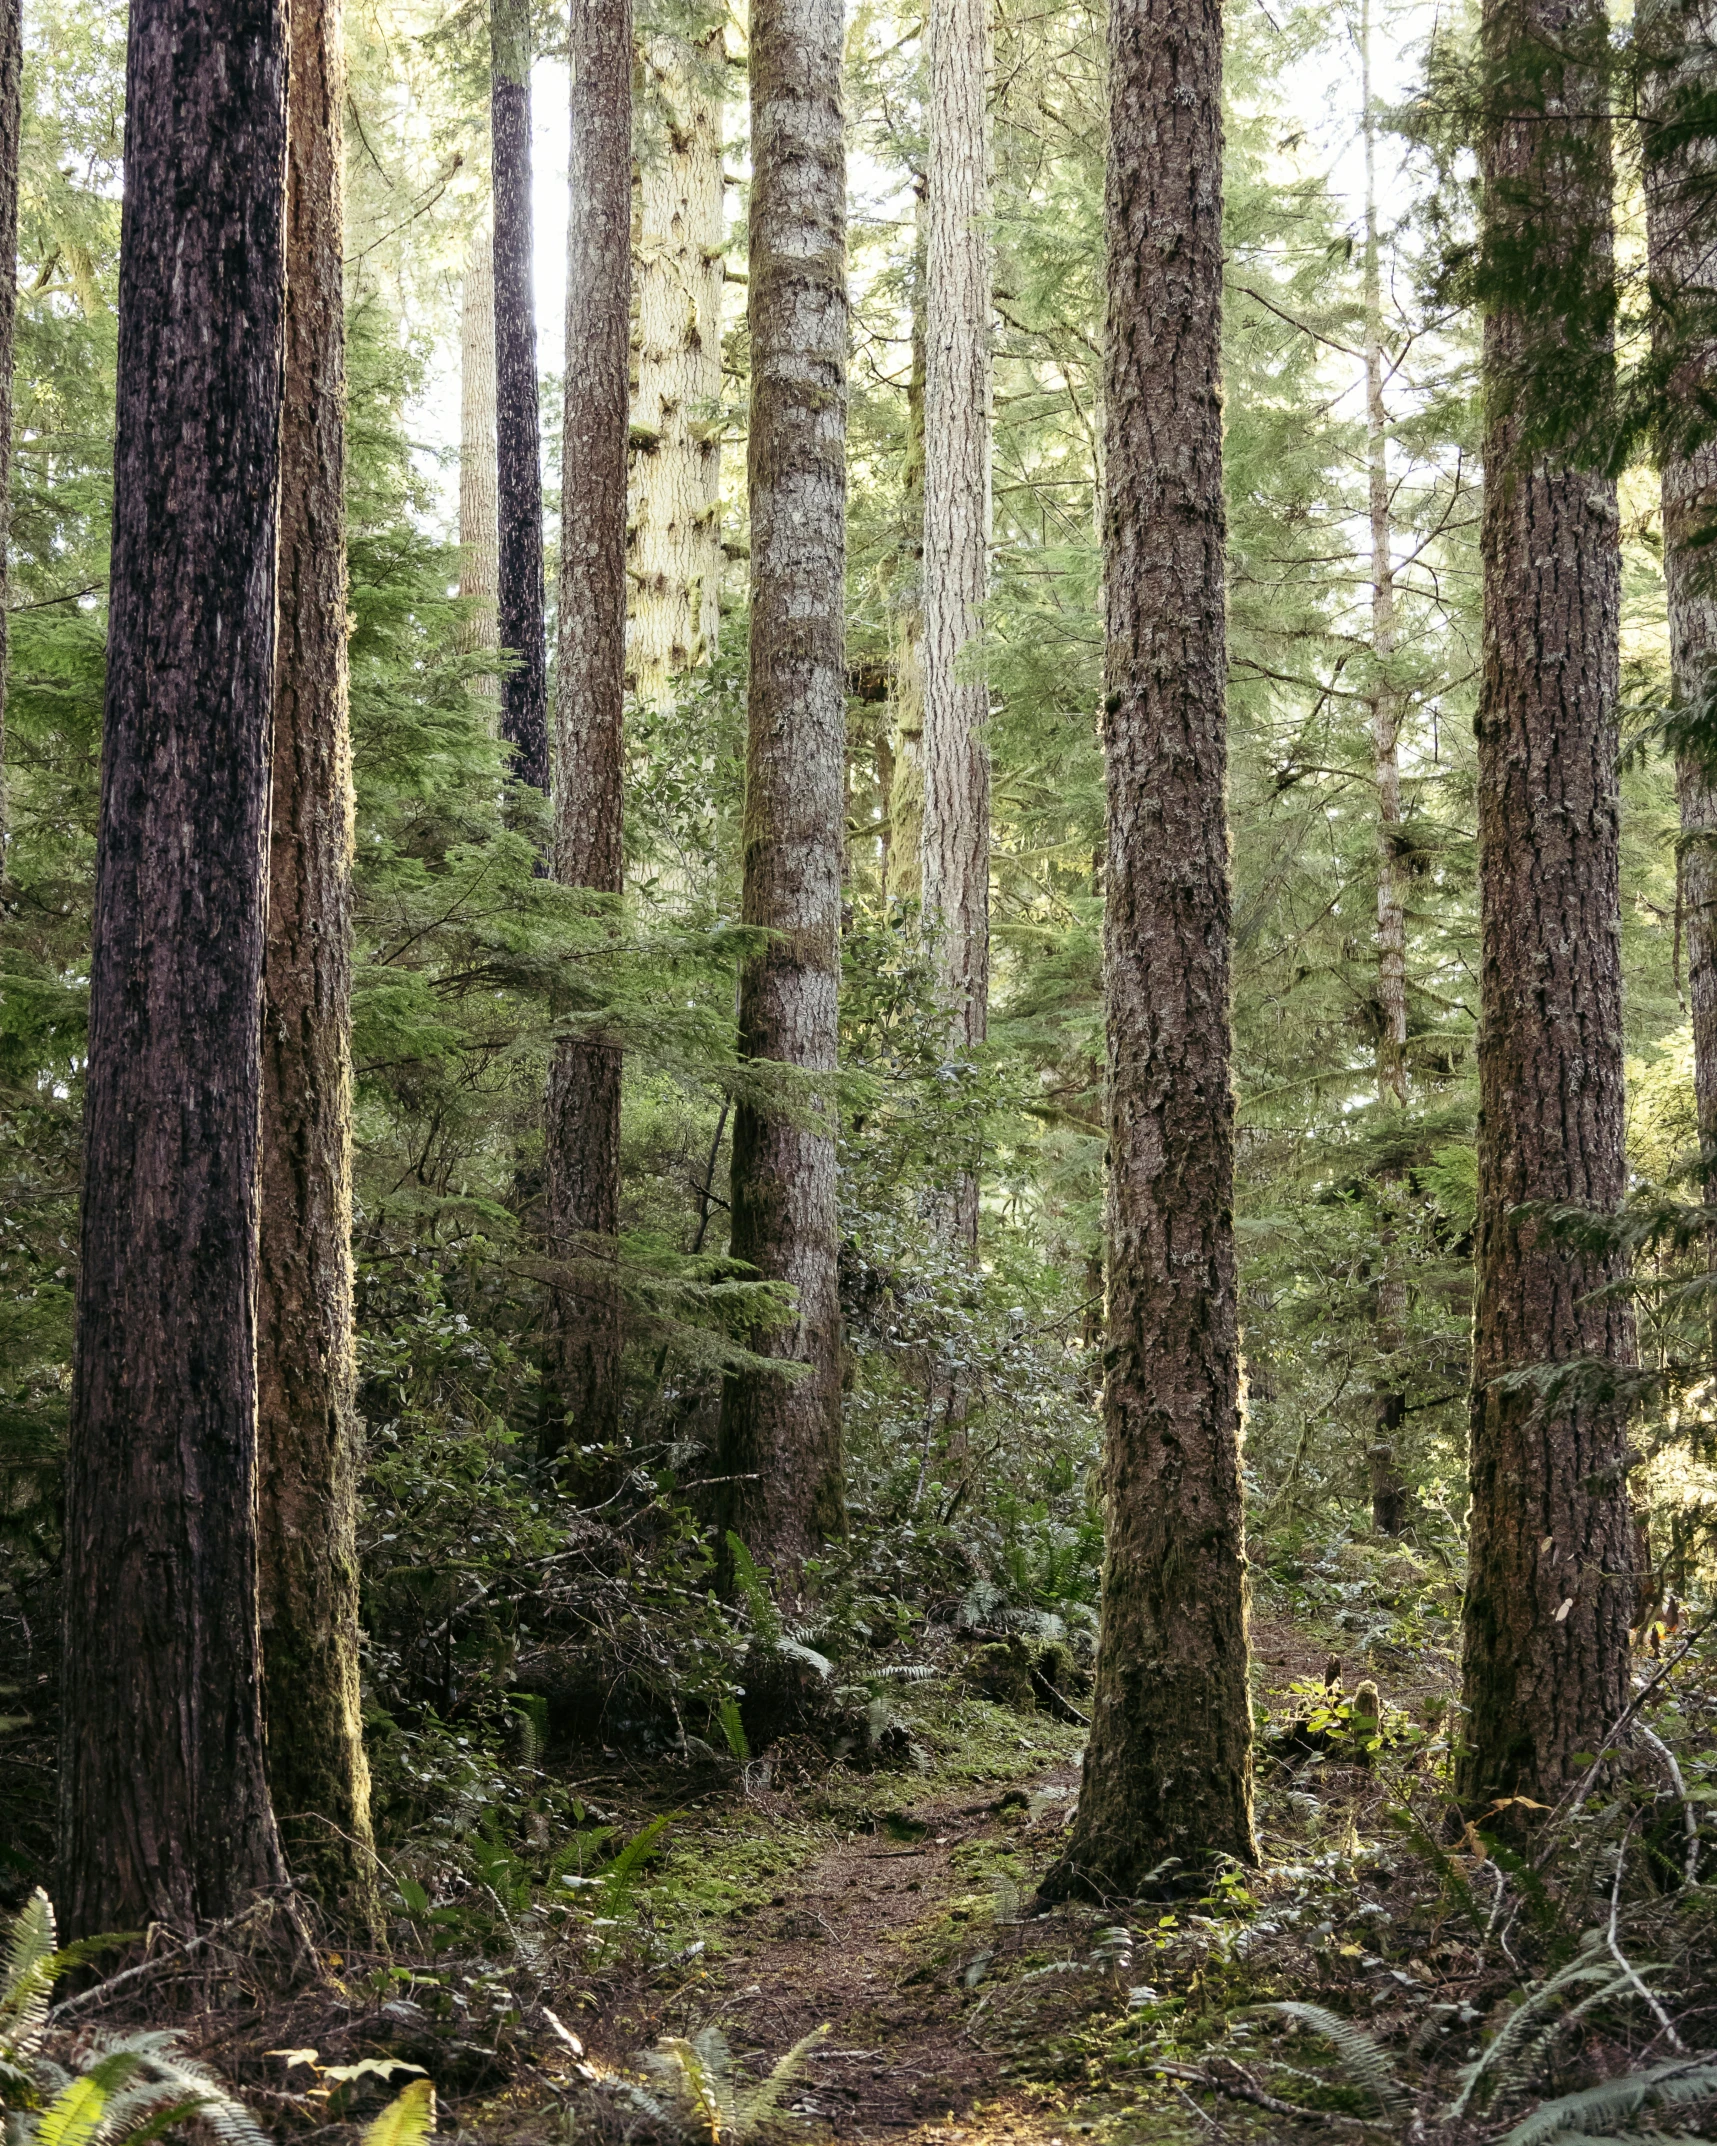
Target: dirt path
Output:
[{"x": 871, "y": 1942}]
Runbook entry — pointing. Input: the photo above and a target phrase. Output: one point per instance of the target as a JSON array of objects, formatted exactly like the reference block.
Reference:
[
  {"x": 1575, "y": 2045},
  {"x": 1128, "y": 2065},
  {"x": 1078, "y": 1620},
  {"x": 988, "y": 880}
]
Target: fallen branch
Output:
[
  {"x": 101, "y": 1991},
  {"x": 1239, "y": 2085}
]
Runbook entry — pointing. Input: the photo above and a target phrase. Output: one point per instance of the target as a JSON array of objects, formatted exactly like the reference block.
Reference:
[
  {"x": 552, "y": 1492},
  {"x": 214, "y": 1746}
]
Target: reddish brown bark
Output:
[
  {"x": 780, "y": 1439},
  {"x": 1549, "y": 1582},
  {"x": 584, "y": 1087},
  {"x": 164, "y": 1810},
  {"x": 1168, "y": 1770}
]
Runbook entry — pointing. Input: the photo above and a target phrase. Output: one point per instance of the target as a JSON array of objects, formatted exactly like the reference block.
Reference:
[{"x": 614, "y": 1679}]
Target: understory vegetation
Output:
[{"x": 668, "y": 1851}]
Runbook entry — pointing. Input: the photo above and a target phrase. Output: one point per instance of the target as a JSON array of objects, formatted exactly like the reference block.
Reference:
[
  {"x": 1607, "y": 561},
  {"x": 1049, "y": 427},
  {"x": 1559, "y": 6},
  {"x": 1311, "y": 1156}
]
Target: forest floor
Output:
[{"x": 894, "y": 1906}]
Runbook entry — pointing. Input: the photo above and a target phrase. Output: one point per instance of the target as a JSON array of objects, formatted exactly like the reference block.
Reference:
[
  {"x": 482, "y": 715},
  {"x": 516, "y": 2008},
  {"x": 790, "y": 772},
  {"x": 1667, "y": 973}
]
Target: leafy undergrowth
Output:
[{"x": 607, "y": 1949}]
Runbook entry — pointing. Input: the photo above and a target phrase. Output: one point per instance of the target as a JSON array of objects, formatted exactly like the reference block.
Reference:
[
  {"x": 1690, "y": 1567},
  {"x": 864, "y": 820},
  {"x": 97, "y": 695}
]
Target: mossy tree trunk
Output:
[
  {"x": 1549, "y": 1581},
  {"x": 11, "y": 127},
  {"x": 1168, "y": 1770},
  {"x": 164, "y": 1807},
  {"x": 310, "y": 1443},
  {"x": 780, "y": 1439},
  {"x": 584, "y": 1085}
]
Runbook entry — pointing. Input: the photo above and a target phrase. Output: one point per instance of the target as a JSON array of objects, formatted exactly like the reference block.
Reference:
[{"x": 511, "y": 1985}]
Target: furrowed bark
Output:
[
  {"x": 584, "y": 1084},
  {"x": 1168, "y": 1771},
  {"x": 780, "y": 1439},
  {"x": 518, "y": 435},
  {"x": 479, "y": 512},
  {"x": 11, "y": 128},
  {"x": 955, "y": 754},
  {"x": 310, "y": 1442},
  {"x": 164, "y": 1809},
  {"x": 675, "y": 507},
  {"x": 1549, "y": 1587}
]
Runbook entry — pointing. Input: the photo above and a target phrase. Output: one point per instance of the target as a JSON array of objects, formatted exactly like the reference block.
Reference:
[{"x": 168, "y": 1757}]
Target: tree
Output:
[
  {"x": 954, "y": 752},
  {"x": 1678, "y": 39},
  {"x": 1388, "y": 1492},
  {"x": 518, "y": 438},
  {"x": 584, "y": 1086},
  {"x": 11, "y": 127},
  {"x": 780, "y": 1437},
  {"x": 1168, "y": 1770},
  {"x": 310, "y": 1442},
  {"x": 479, "y": 514},
  {"x": 674, "y": 512},
  {"x": 1549, "y": 1590},
  {"x": 164, "y": 1808}
]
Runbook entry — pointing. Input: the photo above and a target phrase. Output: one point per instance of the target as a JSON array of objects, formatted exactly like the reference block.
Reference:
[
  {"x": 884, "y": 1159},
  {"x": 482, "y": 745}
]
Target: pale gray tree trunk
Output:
[
  {"x": 675, "y": 507},
  {"x": 780, "y": 1439},
  {"x": 955, "y": 753},
  {"x": 479, "y": 511},
  {"x": 1388, "y": 1492},
  {"x": 11, "y": 127}
]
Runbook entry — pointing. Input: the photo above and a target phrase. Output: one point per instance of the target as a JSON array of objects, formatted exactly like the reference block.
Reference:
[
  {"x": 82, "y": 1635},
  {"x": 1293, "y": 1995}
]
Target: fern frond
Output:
[
  {"x": 1364, "y": 2059},
  {"x": 758, "y": 2103},
  {"x": 29, "y": 1976},
  {"x": 1503, "y": 2063},
  {"x": 902, "y": 1673},
  {"x": 696, "y": 2085},
  {"x": 1685, "y": 2079},
  {"x": 407, "y": 2120}
]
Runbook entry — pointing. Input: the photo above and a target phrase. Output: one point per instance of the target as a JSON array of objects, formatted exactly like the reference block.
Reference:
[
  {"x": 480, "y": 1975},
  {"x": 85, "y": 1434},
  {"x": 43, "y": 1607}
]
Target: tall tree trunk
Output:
[
  {"x": 1388, "y": 1492},
  {"x": 1549, "y": 1590},
  {"x": 903, "y": 876},
  {"x": 479, "y": 511},
  {"x": 675, "y": 507},
  {"x": 310, "y": 1444},
  {"x": 584, "y": 1085},
  {"x": 11, "y": 128},
  {"x": 1168, "y": 1772},
  {"x": 164, "y": 1809},
  {"x": 780, "y": 1439},
  {"x": 955, "y": 752},
  {"x": 518, "y": 435},
  {"x": 1680, "y": 227}
]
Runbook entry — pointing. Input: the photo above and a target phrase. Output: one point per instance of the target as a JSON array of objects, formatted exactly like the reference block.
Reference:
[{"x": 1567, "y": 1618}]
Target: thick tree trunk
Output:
[
  {"x": 675, "y": 508},
  {"x": 1168, "y": 1772},
  {"x": 584, "y": 1085},
  {"x": 1680, "y": 229},
  {"x": 1549, "y": 1585},
  {"x": 780, "y": 1439},
  {"x": 479, "y": 511},
  {"x": 956, "y": 758},
  {"x": 11, "y": 127},
  {"x": 310, "y": 1443},
  {"x": 518, "y": 435},
  {"x": 164, "y": 1810},
  {"x": 1388, "y": 1492}
]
